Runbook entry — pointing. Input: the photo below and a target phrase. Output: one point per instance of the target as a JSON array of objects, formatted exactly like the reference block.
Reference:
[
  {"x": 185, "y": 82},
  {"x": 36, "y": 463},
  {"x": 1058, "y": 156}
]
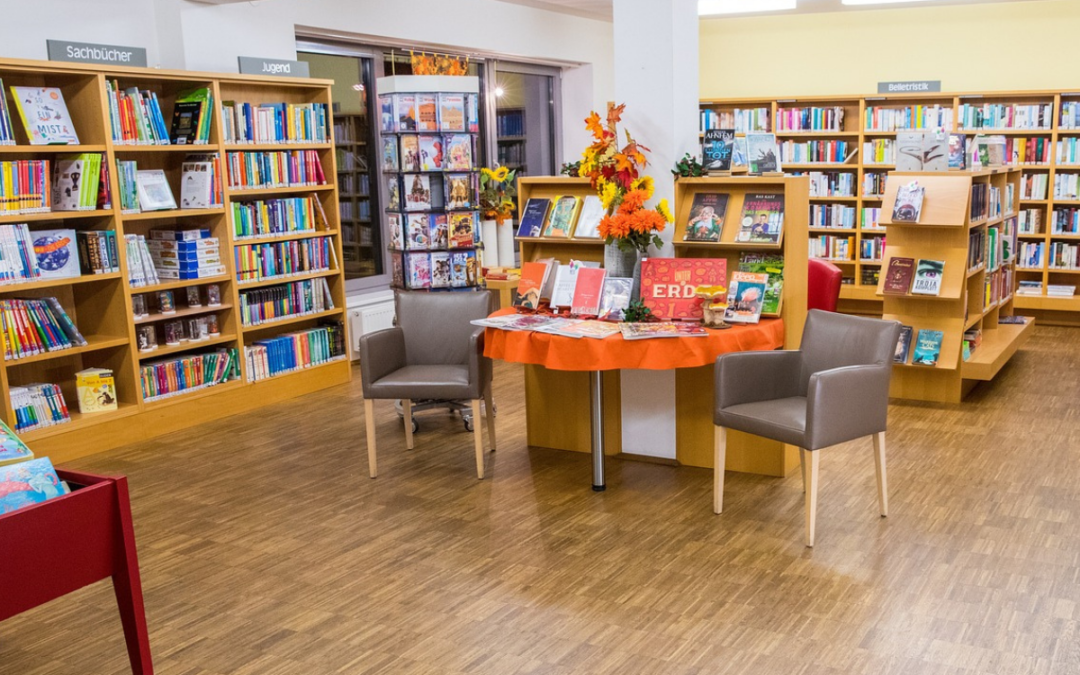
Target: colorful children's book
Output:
[
  {"x": 27, "y": 483},
  {"x": 927, "y": 347},
  {"x": 773, "y": 266},
  {"x": 588, "y": 290},
  {"x": 462, "y": 229},
  {"x": 588, "y": 222},
  {"x": 533, "y": 217},
  {"x": 459, "y": 191},
  {"x": 397, "y": 231},
  {"x": 44, "y": 115},
  {"x": 431, "y": 153},
  {"x": 462, "y": 268},
  {"x": 706, "y": 217},
  {"x": 410, "y": 153},
  {"x": 387, "y": 121},
  {"x": 668, "y": 285},
  {"x": 393, "y": 193},
  {"x": 440, "y": 269},
  {"x": 12, "y": 449},
  {"x": 97, "y": 390},
  {"x": 438, "y": 228},
  {"x": 762, "y": 219},
  {"x": 928, "y": 274},
  {"x": 903, "y": 345},
  {"x": 560, "y": 222},
  {"x": 57, "y": 253},
  {"x": 417, "y": 192},
  {"x": 417, "y": 231},
  {"x": 898, "y": 276},
  {"x": 459, "y": 152},
  {"x": 418, "y": 270},
  {"x": 746, "y": 294}
]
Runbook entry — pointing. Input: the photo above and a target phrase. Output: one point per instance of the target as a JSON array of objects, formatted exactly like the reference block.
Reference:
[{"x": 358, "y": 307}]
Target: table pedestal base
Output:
[{"x": 596, "y": 398}]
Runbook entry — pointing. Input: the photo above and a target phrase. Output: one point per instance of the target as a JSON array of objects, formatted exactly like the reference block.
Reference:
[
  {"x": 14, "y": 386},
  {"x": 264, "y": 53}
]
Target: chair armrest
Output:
[
  {"x": 847, "y": 403},
  {"x": 381, "y": 353},
  {"x": 479, "y": 367},
  {"x": 749, "y": 377}
]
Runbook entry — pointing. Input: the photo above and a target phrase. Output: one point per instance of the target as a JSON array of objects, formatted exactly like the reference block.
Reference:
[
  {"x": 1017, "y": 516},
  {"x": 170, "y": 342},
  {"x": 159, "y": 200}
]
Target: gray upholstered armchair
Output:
[
  {"x": 432, "y": 353},
  {"x": 834, "y": 389}
]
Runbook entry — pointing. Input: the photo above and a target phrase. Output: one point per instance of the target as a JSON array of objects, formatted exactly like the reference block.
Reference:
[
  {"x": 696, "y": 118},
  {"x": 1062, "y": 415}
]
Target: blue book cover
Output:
[
  {"x": 716, "y": 147},
  {"x": 927, "y": 347},
  {"x": 533, "y": 217},
  {"x": 12, "y": 449},
  {"x": 28, "y": 483}
]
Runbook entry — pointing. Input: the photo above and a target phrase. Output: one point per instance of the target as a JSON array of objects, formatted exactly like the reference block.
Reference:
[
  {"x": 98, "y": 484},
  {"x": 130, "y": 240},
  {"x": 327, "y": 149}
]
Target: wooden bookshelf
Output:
[
  {"x": 101, "y": 305},
  {"x": 973, "y": 296},
  {"x": 535, "y": 248},
  {"x": 859, "y": 297}
]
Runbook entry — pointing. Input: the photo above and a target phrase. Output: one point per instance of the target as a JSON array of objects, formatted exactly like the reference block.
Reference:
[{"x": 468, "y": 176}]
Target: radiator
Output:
[{"x": 368, "y": 319}]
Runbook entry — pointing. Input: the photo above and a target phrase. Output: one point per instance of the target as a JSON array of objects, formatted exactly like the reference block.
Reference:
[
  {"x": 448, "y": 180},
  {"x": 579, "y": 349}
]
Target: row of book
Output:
[
  {"x": 592, "y": 328},
  {"x": 274, "y": 122},
  {"x": 36, "y": 326},
  {"x": 810, "y": 119},
  {"x": 811, "y": 152},
  {"x": 441, "y": 152},
  {"x": 562, "y": 217},
  {"x": 872, "y": 249},
  {"x": 38, "y": 406},
  {"x": 832, "y": 216},
  {"x": 927, "y": 346},
  {"x": 830, "y": 183},
  {"x": 1030, "y": 255},
  {"x": 1031, "y": 287},
  {"x": 910, "y": 117},
  {"x": 27, "y": 255},
  {"x": 135, "y": 116},
  {"x": 871, "y": 219},
  {"x": 197, "y": 257},
  {"x": 293, "y": 168},
  {"x": 979, "y": 205},
  {"x": 510, "y": 123},
  {"x": 907, "y": 276},
  {"x": 874, "y": 184},
  {"x": 431, "y": 192},
  {"x": 1068, "y": 151},
  {"x": 742, "y": 120},
  {"x": 976, "y": 248},
  {"x": 1006, "y": 116},
  {"x": 271, "y": 260},
  {"x": 273, "y": 303},
  {"x": 181, "y": 375},
  {"x": 437, "y": 269},
  {"x": 1065, "y": 221},
  {"x": 448, "y": 111},
  {"x": 140, "y": 265},
  {"x": 879, "y": 151},
  {"x": 434, "y": 231},
  {"x": 1030, "y": 221},
  {"x": 270, "y": 217},
  {"x": 1064, "y": 256},
  {"x": 1034, "y": 185},
  {"x": 7, "y": 131},
  {"x": 832, "y": 247},
  {"x": 295, "y": 351},
  {"x": 1066, "y": 186},
  {"x": 25, "y": 187},
  {"x": 80, "y": 183}
]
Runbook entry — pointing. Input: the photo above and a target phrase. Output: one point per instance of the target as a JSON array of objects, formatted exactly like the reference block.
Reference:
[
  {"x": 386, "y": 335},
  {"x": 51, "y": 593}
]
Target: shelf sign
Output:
[
  {"x": 88, "y": 52},
  {"x": 254, "y": 65},
  {"x": 915, "y": 87}
]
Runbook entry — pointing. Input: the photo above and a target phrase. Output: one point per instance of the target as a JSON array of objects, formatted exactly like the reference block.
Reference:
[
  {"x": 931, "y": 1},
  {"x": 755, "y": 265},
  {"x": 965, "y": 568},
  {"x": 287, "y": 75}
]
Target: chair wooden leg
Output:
[
  {"x": 406, "y": 409},
  {"x": 489, "y": 406},
  {"x": 478, "y": 438},
  {"x": 811, "y": 496},
  {"x": 369, "y": 421},
  {"x": 802, "y": 467},
  {"x": 882, "y": 481},
  {"x": 719, "y": 460}
]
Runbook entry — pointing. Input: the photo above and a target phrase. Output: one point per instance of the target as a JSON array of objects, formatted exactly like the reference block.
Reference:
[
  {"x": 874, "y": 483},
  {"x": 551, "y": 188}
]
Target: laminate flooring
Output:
[{"x": 266, "y": 550}]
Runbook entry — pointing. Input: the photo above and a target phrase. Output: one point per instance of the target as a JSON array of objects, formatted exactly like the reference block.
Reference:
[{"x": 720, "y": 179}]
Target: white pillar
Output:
[{"x": 656, "y": 76}]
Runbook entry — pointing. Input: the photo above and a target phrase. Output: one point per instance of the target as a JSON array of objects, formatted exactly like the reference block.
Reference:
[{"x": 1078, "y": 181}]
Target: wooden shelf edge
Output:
[{"x": 998, "y": 346}]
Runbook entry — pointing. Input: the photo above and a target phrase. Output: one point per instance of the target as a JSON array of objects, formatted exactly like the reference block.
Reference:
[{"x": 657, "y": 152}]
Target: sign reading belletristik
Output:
[
  {"x": 254, "y": 65},
  {"x": 915, "y": 87},
  {"x": 88, "y": 52}
]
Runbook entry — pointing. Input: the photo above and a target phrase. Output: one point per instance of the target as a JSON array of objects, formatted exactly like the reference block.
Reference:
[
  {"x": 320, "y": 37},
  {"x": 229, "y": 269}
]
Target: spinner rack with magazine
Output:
[
  {"x": 949, "y": 277},
  {"x": 139, "y": 241}
]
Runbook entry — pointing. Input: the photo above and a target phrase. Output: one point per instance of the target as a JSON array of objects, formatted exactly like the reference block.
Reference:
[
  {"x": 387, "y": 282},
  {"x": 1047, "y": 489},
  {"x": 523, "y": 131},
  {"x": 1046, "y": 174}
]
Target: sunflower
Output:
[
  {"x": 644, "y": 183},
  {"x": 501, "y": 173},
  {"x": 608, "y": 193},
  {"x": 663, "y": 209}
]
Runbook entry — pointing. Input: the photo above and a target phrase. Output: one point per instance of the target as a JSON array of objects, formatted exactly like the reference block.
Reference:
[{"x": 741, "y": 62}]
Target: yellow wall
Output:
[{"x": 997, "y": 46}]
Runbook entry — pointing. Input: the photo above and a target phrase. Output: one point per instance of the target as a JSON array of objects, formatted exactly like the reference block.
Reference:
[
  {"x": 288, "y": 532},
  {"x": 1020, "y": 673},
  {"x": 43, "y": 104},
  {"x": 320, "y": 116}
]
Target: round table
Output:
[{"x": 557, "y": 352}]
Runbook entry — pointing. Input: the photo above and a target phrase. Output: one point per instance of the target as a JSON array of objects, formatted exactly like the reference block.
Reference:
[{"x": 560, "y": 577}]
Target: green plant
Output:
[
  {"x": 497, "y": 192},
  {"x": 571, "y": 169},
  {"x": 637, "y": 312},
  {"x": 688, "y": 167}
]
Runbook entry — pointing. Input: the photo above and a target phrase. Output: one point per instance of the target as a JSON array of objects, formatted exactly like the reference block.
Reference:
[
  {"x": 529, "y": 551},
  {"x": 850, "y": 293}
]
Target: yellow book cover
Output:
[
  {"x": 96, "y": 389},
  {"x": 561, "y": 220}
]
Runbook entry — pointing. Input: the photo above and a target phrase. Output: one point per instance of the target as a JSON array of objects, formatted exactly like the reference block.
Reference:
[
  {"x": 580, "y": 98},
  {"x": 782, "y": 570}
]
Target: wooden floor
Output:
[{"x": 266, "y": 550}]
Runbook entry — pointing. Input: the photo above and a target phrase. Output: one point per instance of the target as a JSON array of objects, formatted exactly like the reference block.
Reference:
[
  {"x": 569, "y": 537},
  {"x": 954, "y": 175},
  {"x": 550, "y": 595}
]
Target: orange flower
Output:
[
  {"x": 646, "y": 222},
  {"x": 617, "y": 226},
  {"x": 632, "y": 201}
]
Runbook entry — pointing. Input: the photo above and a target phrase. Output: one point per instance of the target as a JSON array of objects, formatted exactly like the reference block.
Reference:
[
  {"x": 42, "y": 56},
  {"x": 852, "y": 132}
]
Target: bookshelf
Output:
[
  {"x": 511, "y": 139},
  {"x": 532, "y": 249},
  {"x": 101, "y": 305},
  {"x": 978, "y": 281},
  {"x": 874, "y": 120},
  {"x": 360, "y": 236}
]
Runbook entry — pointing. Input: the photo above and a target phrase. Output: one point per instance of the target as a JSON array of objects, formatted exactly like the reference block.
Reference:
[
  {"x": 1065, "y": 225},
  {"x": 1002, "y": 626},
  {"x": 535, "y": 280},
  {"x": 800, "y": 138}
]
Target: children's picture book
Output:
[
  {"x": 418, "y": 270},
  {"x": 12, "y": 449},
  {"x": 393, "y": 193},
  {"x": 440, "y": 269},
  {"x": 410, "y": 153},
  {"x": 560, "y": 222},
  {"x": 44, "y": 115},
  {"x": 661, "y": 329},
  {"x": 460, "y": 262},
  {"x": 533, "y": 217},
  {"x": 397, "y": 231},
  {"x": 898, "y": 276},
  {"x": 746, "y": 296},
  {"x": 417, "y": 193},
  {"x": 716, "y": 147},
  {"x": 903, "y": 345},
  {"x": 387, "y": 120},
  {"x": 927, "y": 347},
  {"x": 459, "y": 152},
  {"x": 397, "y": 271},
  {"x": 417, "y": 231},
  {"x": 431, "y": 153},
  {"x": 588, "y": 290},
  {"x": 75, "y": 183},
  {"x": 763, "y": 153},
  {"x": 439, "y": 232},
  {"x": 390, "y": 154},
  {"x": 452, "y": 112},
  {"x": 588, "y": 222},
  {"x": 427, "y": 112},
  {"x": 615, "y": 298},
  {"x": 405, "y": 111},
  {"x": 459, "y": 191},
  {"x": 957, "y": 151},
  {"x": 762, "y": 219},
  {"x": 97, "y": 390},
  {"x": 534, "y": 276},
  {"x": 928, "y": 275},
  {"x": 57, "y": 253},
  {"x": 707, "y": 217},
  {"x": 28, "y": 483},
  {"x": 669, "y": 285},
  {"x": 909, "y": 199},
  {"x": 154, "y": 191},
  {"x": 771, "y": 265},
  {"x": 463, "y": 228}
]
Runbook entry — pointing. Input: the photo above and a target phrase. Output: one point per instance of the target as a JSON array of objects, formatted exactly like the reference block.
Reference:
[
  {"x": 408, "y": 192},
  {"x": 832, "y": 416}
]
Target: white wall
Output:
[{"x": 26, "y": 25}]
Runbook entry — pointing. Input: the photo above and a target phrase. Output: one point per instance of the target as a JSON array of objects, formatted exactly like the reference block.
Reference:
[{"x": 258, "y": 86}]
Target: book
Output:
[
  {"x": 615, "y": 298},
  {"x": 762, "y": 219},
  {"x": 7, "y": 131},
  {"x": 387, "y": 120},
  {"x": 27, "y": 483},
  {"x": 418, "y": 270},
  {"x": 898, "y": 276},
  {"x": 746, "y": 296},
  {"x": 462, "y": 269},
  {"x": 589, "y": 217},
  {"x": 417, "y": 231},
  {"x": 661, "y": 329},
  {"x": 534, "y": 276},
  {"x": 417, "y": 193},
  {"x": 459, "y": 191},
  {"x": 560, "y": 223},
  {"x": 588, "y": 290},
  {"x": 75, "y": 183},
  {"x": 199, "y": 182},
  {"x": 154, "y": 191},
  {"x": 56, "y": 254},
  {"x": 440, "y": 269},
  {"x": 439, "y": 231},
  {"x": 903, "y": 345},
  {"x": 772, "y": 266},
  {"x": 393, "y": 193},
  {"x": 44, "y": 115},
  {"x": 908, "y": 206},
  {"x": 405, "y": 112},
  {"x": 927, "y": 347},
  {"x": 762, "y": 153},
  {"x": 740, "y": 154},
  {"x": 928, "y": 275},
  {"x": 452, "y": 112},
  {"x": 463, "y": 228},
  {"x": 427, "y": 112},
  {"x": 716, "y": 147},
  {"x": 591, "y": 328},
  {"x": 668, "y": 285},
  {"x": 533, "y": 217},
  {"x": 12, "y": 449},
  {"x": 431, "y": 153},
  {"x": 191, "y": 117},
  {"x": 96, "y": 388},
  {"x": 410, "y": 153},
  {"x": 957, "y": 151},
  {"x": 707, "y": 217},
  {"x": 562, "y": 292},
  {"x": 390, "y": 154},
  {"x": 459, "y": 152}
]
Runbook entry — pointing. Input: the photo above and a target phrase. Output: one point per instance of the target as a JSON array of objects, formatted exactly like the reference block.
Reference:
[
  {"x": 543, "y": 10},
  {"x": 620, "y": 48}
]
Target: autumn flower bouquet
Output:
[
  {"x": 497, "y": 192},
  {"x": 616, "y": 175}
]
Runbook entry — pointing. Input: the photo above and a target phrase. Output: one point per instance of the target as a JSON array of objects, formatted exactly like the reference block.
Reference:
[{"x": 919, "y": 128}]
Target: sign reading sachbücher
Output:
[{"x": 88, "y": 52}]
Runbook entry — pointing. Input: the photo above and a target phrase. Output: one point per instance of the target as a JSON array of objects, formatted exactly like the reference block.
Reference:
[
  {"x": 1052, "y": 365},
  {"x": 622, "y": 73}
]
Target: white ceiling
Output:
[{"x": 601, "y": 9}]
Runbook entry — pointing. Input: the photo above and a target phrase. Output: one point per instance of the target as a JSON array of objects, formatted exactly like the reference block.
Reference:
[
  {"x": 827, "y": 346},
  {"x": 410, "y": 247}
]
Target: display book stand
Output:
[
  {"x": 944, "y": 233},
  {"x": 694, "y": 399},
  {"x": 409, "y": 259},
  {"x": 59, "y": 546},
  {"x": 100, "y": 305}
]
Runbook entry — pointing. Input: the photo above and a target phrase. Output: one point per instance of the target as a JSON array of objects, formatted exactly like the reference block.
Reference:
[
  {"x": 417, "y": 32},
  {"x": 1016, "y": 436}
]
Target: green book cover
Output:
[{"x": 773, "y": 265}]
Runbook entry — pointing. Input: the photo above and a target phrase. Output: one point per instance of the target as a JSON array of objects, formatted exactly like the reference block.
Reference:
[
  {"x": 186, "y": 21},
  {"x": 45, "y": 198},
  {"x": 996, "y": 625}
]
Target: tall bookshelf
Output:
[
  {"x": 361, "y": 238},
  {"x": 865, "y": 129},
  {"x": 101, "y": 305}
]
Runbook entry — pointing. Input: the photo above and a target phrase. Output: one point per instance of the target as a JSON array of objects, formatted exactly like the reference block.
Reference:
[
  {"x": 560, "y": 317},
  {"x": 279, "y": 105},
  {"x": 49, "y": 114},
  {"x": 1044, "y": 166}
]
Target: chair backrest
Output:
[
  {"x": 833, "y": 340},
  {"x": 822, "y": 285},
  {"x": 436, "y": 325}
]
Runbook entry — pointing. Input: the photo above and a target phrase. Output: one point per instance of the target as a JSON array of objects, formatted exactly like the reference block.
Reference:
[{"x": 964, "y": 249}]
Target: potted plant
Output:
[{"x": 497, "y": 193}]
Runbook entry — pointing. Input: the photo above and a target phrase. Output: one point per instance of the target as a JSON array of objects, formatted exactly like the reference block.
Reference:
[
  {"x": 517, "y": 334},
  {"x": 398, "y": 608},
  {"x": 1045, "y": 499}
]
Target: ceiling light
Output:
[
  {"x": 712, "y": 7},
  {"x": 499, "y": 91},
  {"x": 876, "y": 2}
]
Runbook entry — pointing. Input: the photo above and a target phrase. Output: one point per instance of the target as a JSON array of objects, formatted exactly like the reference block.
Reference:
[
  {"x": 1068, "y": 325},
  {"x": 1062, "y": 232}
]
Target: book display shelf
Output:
[
  {"x": 590, "y": 249},
  {"x": 976, "y": 242},
  {"x": 1042, "y": 134},
  {"x": 101, "y": 305}
]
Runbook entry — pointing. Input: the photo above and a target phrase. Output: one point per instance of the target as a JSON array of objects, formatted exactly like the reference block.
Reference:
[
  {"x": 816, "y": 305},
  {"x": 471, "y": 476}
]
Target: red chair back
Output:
[{"x": 822, "y": 285}]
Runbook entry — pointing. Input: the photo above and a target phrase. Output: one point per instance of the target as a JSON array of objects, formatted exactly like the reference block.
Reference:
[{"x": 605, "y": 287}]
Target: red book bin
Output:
[{"x": 59, "y": 546}]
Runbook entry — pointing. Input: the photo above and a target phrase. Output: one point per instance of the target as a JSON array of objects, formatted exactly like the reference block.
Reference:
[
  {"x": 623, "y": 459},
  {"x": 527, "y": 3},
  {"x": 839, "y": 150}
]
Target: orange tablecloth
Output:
[{"x": 614, "y": 353}]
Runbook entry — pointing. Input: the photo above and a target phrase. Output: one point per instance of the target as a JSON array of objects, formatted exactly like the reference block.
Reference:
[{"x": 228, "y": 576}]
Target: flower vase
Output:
[
  {"x": 622, "y": 263},
  {"x": 490, "y": 236},
  {"x": 507, "y": 245}
]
